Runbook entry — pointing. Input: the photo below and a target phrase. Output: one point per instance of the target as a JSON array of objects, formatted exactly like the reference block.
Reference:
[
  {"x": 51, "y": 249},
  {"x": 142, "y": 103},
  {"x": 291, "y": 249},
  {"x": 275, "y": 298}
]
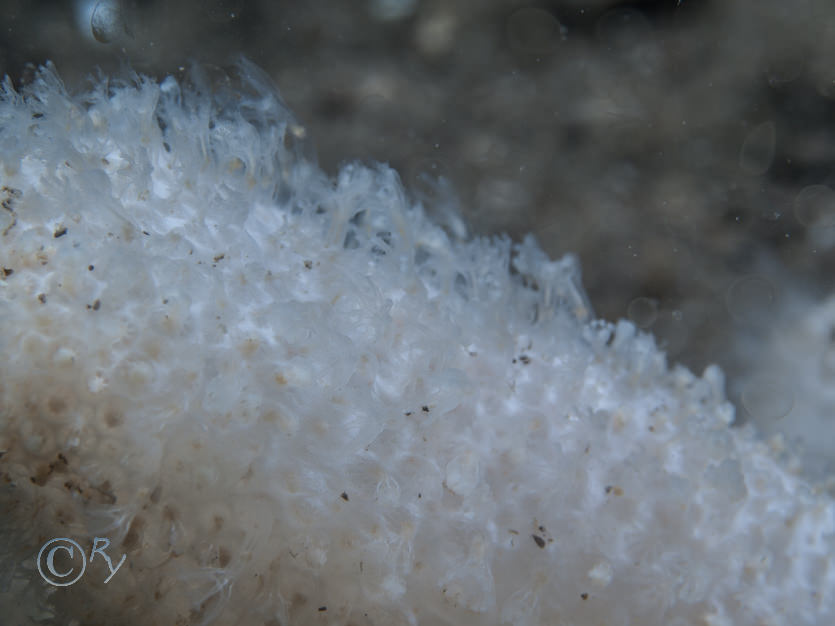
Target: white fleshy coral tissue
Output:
[{"x": 289, "y": 399}]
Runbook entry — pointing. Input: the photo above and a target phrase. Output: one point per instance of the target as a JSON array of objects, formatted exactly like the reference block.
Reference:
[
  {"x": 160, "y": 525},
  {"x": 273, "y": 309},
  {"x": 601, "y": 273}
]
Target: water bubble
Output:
[
  {"x": 814, "y": 206},
  {"x": 750, "y": 297},
  {"x": 671, "y": 331},
  {"x": 107, "y": 22},
  {"x": 767, "y": 398},
  {"x": 758, "y": 148},
  {"x": 533, "y": 31},
  {"x": 643, "y": 311}
]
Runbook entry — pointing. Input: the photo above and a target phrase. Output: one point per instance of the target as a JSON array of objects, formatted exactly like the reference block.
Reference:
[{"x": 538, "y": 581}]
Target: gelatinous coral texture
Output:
[{"x": 291, "y": 399}]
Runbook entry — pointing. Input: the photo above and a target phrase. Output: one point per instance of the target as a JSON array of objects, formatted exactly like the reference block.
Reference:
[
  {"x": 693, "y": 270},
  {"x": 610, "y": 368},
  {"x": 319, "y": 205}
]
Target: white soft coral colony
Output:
[{"x": 290, "y": 399}]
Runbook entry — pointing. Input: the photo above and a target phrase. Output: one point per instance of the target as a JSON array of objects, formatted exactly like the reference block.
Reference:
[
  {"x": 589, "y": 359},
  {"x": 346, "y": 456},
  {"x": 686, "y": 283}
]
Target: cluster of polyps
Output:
[{"x": 294, "y": 400}]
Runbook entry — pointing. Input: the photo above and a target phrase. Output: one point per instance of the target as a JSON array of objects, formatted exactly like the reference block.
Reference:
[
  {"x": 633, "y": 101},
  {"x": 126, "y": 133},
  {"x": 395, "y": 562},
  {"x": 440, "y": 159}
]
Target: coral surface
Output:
[{"x": 290, "y": 399}]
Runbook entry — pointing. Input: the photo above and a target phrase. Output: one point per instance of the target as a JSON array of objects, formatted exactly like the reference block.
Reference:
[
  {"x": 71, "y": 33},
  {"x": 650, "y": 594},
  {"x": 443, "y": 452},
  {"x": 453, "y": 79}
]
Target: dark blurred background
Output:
[{"x": 684, "y": 149}]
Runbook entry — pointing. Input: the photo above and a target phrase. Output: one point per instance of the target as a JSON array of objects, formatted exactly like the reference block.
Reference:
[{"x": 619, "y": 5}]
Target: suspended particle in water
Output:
[{"x": 223, "y": 11}]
